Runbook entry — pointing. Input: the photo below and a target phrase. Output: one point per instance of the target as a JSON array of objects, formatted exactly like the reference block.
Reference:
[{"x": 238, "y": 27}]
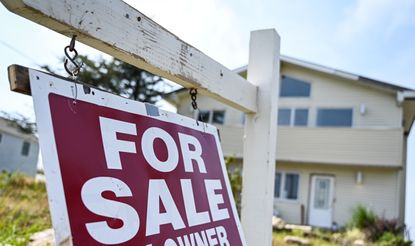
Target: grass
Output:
[
  {"x": 278, "y": 238},
  {"x": 23, "y": 208}
]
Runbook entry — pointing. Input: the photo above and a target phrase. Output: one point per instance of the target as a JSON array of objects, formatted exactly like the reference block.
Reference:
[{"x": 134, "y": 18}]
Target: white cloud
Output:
[
  {"x": 376, "y": 16},
  {"x": 209, "y": 25}
]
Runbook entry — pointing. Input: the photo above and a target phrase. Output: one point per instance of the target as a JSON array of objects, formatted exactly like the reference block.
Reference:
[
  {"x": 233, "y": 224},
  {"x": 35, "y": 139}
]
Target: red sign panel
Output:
[{"x": 133, "y": 179}]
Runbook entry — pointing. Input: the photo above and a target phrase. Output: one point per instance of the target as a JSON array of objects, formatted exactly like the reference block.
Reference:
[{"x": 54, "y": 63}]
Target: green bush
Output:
[
  {"x": 383, "y": 226},
  {"x": 235, "y": 178},
  {"x": 389, "y": 239},
  {"x": 362, "y": 217},
  {"x": 381, "y": 230}
]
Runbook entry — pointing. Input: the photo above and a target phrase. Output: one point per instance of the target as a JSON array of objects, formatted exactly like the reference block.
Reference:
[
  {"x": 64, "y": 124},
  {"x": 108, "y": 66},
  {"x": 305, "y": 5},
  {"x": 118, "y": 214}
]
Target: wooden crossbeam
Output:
[
  {"x": 121, "y": 31},
  {"x": 19, "y": 79}
]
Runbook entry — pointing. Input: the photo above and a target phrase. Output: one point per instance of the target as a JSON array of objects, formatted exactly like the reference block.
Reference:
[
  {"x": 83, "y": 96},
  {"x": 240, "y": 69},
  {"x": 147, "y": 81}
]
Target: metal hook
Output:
[
  {"x": 68, "y": 49},
  {"x": 193, "y": 96}
]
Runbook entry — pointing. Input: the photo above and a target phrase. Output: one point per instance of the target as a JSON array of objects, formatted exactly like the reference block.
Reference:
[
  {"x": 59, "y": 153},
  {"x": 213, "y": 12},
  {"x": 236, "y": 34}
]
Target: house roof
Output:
[
  {"x": 6, "y": 127},
  {"x": 336, "y": 72},
  {"x": 324, "y": 69}
]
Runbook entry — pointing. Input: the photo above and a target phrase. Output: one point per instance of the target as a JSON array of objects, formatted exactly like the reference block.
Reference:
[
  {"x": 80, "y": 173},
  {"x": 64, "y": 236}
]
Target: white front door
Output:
[{"x": 321, "y": 201}]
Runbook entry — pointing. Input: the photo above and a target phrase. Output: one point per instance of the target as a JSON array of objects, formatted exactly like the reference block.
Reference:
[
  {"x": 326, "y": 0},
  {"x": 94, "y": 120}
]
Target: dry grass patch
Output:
[{"x": 23, "y": 208}]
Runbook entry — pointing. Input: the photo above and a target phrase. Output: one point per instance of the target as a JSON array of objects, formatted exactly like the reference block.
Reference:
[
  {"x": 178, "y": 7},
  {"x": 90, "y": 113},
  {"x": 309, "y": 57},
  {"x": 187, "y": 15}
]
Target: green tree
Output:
[
  {"x": 19, "y": 121},
  {"x": 235, "y": 179},
  {"x": 120, "y": 78}
]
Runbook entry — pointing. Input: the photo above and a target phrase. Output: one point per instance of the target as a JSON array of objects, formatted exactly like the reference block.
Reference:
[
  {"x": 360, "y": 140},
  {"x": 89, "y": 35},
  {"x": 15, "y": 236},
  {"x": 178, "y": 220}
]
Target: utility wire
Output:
[{"x": 18, "y": 51}]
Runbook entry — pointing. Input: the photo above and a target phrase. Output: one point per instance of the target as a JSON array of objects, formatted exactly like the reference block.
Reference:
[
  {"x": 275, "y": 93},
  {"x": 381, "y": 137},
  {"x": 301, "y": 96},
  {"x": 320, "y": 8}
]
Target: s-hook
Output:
[
  {"x": 73, "y": 73},
  {"x": 71, "y": 49}
]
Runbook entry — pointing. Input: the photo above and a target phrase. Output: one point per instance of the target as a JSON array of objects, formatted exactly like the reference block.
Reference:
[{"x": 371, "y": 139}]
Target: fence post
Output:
[{"x": 261, "y": 138}]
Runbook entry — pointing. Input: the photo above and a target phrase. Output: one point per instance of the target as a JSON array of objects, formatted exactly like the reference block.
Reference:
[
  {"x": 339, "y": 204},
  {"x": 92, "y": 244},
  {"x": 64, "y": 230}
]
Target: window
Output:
[
  {"x": 284, "y": 117},
  {"x": 277, "y": 187},
  {"x": 292, "y": 117},
  {"x": 25, "y": 148},
  {"x": 291, "y": 186},
  {"x": 243, "y": 118},
  {"x": 1, "y": 137},
  {"x": 286, "y": 185},
  {"x": 214, "y": 117},
  {"x": 291, "y": 87},
  {"x": 218, "y": 117},
  {"x": 321, "y": 194},
  {"x": 301, "y": 117},
  {"x": 335, "y": 117},
  {"x": 204, "y": 116}
]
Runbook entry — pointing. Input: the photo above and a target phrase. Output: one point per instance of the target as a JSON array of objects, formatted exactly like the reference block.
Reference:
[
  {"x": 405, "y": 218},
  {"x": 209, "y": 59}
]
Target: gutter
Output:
[{"x": 401, "y": 96}]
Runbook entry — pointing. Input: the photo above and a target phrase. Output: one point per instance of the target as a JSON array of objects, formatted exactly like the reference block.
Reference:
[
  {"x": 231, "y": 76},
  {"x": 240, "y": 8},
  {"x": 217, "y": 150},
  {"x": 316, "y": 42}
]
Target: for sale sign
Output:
[{"x": 122, "y": 172}]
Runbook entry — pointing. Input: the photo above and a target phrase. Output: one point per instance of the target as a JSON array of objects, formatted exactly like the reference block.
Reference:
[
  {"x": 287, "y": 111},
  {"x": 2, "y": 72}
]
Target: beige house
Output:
[{"x": 341, "y": 142}]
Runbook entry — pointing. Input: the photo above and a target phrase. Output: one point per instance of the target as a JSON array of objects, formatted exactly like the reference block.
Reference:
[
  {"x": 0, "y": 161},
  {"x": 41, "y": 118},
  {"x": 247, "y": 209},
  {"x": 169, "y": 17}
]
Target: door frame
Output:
[{"x": 310, "y": 196}]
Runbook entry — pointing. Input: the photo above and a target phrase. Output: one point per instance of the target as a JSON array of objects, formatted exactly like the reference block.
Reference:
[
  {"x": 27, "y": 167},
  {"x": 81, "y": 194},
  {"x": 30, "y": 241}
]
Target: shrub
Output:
[
  {"x": 235, "y": 178},
  {"x": 389, "y": 239},
  {"x": 378, "y": 229},
  {"x": 383, "y": 226},
  {"x": 362, "y": 217}
]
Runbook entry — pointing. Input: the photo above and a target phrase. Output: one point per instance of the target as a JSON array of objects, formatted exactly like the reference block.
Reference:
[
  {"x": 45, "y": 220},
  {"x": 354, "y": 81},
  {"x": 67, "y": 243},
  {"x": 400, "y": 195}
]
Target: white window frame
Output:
[
  {"x": 282, "y": 184},
  {"x": 316, "y": 117},
  {"x": 292, "y": 116},
  {"x": 296, "y": 78}
]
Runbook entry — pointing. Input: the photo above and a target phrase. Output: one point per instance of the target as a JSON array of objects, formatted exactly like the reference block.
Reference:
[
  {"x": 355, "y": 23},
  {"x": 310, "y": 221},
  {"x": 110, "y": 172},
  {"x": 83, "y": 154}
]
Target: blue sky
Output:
[{"x": 374, "y": 38}]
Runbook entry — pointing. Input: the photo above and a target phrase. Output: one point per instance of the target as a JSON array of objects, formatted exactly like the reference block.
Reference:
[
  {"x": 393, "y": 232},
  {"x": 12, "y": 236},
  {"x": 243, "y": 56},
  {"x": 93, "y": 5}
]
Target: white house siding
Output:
[
  {"x": 11, "y": 158},
  {"x": 378, "y": 192},
  {"x": 328, "y": 91},
  {"x": 375, "y": 147}
]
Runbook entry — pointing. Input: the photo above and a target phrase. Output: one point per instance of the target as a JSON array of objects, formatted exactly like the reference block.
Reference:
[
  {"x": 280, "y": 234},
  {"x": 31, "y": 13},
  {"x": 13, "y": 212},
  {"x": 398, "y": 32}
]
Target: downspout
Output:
[{"x": 401, "y": 96}]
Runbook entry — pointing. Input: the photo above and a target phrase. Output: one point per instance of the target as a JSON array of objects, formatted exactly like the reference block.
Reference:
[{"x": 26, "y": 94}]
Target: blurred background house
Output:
[
  {"x": 342, "y": 142},
  {"x": 19, "y": 148}
]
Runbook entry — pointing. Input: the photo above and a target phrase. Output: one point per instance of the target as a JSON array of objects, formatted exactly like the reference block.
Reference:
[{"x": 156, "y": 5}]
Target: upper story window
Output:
[
  {"x": 25, "y": 148},
  {"x": 203, "y": 115},
  {"x": 218, "y": 117},
  {"x": 213, "y": 117},
  {"x": 284, "y": 117},
  {"x": 286, "y": 185},
  {"x": 335, "y": 117},
  {"x": 291, "y": 87},
  {"x": 292, "y": 117}
]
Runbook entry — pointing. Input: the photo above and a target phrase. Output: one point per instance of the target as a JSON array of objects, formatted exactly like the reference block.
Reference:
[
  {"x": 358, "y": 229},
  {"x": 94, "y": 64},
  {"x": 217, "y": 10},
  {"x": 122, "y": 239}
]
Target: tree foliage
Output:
[
  {"x": 19, "y": 121},
  {"x": 120, "y": 78},
  {"x": 235, "y": 178}
]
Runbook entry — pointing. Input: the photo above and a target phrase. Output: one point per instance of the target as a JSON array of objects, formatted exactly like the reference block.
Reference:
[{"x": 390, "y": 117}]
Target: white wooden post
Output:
[{"x": 261, "y": 138}]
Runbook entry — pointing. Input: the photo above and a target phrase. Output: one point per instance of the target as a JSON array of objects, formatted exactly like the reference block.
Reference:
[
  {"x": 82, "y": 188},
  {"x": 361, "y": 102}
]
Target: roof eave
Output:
[{"x": 336, "y": 72}]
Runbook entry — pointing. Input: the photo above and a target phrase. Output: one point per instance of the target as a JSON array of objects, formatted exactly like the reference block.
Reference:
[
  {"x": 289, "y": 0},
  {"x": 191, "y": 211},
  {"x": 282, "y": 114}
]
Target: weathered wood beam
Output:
[
  {"x": 121, "y": 31},
  {"x": 19, "y": 79}
]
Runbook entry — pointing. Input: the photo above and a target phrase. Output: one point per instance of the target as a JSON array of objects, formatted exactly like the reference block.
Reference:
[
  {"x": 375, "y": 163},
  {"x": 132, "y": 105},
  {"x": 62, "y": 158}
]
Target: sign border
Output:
[{"x": 42, "y": 84}]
